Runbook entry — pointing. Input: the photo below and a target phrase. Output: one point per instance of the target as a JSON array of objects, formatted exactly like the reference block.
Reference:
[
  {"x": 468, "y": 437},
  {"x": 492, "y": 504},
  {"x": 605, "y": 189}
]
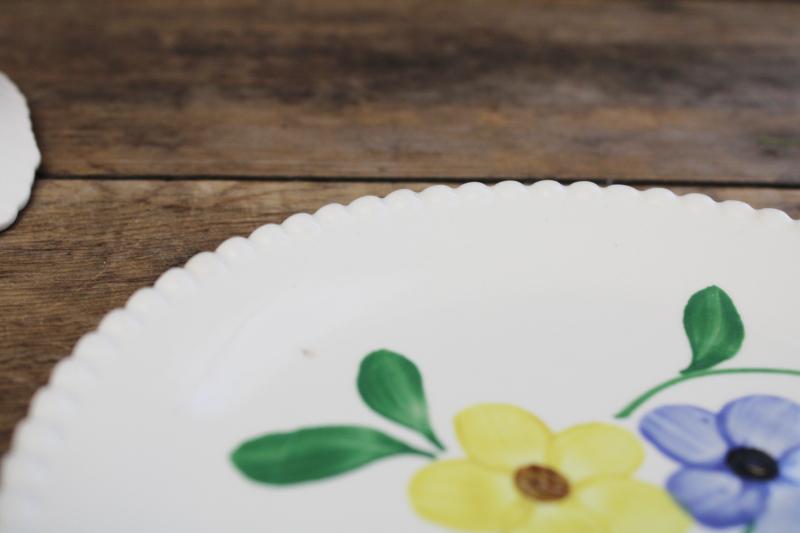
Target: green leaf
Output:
[
  {"x": 391, "y": 385},
  {"x": 314, "y": 453},
  {"x": 714, "y": 328}
]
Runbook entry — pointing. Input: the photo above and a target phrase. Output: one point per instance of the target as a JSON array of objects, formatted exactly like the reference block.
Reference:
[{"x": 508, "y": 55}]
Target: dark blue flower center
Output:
[{"x": 753, "y": 464}]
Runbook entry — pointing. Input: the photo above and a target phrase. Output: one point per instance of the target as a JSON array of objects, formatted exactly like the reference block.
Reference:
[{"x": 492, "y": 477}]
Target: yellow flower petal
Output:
[
  {"x": 463, "y": 495},
  {"x": 595, "y": 449},
  {"x": 502, "y": 436},
  {"x": 563, "y": 517},
  {"x": 631, "y": 506}
]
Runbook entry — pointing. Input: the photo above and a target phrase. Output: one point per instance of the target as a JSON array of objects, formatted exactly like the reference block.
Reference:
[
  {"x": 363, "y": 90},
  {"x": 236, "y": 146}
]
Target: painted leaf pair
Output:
[{"x": 390, "y": 385}]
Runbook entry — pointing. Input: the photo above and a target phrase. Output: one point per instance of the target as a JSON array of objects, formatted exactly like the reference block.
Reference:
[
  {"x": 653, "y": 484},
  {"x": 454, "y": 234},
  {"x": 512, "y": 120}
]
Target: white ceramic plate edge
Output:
[{"x": 19, "y": 155}]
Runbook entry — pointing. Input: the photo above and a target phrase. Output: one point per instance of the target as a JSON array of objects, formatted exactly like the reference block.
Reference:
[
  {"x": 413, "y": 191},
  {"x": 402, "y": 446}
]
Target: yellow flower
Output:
[{"x": 518, "y": 477}]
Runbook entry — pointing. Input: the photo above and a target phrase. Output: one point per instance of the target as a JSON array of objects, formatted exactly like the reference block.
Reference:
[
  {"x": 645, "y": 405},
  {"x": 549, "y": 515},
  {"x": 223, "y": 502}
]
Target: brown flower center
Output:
[{"x": 541, "y": 483}]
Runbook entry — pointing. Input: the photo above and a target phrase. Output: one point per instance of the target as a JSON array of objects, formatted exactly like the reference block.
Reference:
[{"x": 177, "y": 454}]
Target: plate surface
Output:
[{"x": 514, "y": 326}]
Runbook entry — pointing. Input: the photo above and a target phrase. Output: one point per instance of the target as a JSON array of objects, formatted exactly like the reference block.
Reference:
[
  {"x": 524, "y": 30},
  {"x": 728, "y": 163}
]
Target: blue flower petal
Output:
[
  {"x": 782, "y": 514},
  {"x": 768, "y": 423},
  {"x": 790, "y": 465},
  {"x": 717, "y": 498},
  {"x": 685, "y": 433}
]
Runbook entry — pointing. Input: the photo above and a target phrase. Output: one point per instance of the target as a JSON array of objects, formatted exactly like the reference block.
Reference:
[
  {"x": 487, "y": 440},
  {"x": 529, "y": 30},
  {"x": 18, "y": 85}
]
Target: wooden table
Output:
[{"x": 167, "y": 126}]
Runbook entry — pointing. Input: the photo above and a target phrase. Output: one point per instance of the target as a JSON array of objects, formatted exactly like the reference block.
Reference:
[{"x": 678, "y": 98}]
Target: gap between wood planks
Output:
[{"x": 400, "y": 180}]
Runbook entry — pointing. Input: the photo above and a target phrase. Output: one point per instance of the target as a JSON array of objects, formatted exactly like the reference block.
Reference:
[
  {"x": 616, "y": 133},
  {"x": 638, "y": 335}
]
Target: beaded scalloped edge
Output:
[{"x": 35, "y": 443}]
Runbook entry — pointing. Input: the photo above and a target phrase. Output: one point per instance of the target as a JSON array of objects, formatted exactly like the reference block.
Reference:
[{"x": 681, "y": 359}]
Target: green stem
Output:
[
  {"x": 636, "y": 403},
  {"x": 750, "y": 528}
]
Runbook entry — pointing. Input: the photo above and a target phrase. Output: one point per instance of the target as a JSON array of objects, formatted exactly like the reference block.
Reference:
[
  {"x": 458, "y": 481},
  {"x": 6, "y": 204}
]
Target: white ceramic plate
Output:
[
  {"x": 227, "y": 396},
  {"x": 19, "y": 156}
]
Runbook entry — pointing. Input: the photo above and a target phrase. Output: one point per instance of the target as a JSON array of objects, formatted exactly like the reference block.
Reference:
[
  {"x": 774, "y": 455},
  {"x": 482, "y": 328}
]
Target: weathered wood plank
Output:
[
  {"x": 662, "y": 90},
  {"x": 83, "y": 247}
]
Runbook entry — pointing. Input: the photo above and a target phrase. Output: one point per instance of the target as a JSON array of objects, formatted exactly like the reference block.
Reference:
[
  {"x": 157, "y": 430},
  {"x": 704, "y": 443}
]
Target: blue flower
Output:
[{"x": 739, "y": 467}]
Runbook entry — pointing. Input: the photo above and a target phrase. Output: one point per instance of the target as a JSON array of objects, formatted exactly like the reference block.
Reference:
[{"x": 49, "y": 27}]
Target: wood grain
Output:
[
  {"x": 84, "y": 246},
  {"x": 658, "y": 90}
]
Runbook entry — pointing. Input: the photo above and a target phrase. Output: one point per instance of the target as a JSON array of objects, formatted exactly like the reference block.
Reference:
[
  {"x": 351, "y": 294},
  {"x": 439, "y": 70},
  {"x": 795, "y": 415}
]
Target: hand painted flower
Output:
[
  {"x": 518, "y": 477},
  {"x": 740, "y": 467}
]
